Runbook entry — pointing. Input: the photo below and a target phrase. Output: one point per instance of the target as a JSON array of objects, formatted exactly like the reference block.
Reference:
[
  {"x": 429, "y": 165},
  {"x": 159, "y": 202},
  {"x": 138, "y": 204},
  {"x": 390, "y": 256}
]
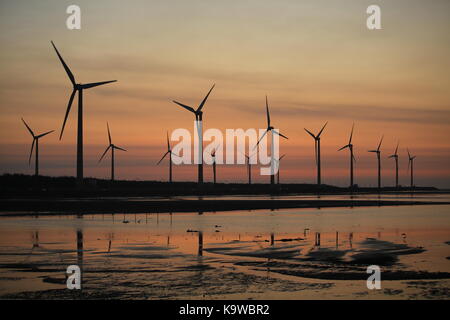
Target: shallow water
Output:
[
  {"x": 406, "y": 196},
  {"x": 238, "y": 254}
]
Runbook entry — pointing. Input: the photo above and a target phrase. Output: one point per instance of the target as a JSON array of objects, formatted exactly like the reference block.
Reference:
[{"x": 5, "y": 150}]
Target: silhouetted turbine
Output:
[
  {"x": 411, "y": 166},
  {"x": 352, "y": 157},
  {"x": 112, "y": 147},
  {"x": 77, "y": 87},
  {"x": 168, "y": 152},
  {"x": 278, "y": 173},
  {"x": 378, "y": 152},
  {"x": 35, "y": 141},
  {"x": 272, "y": 130},
  {"x": 199, "y": 119},
  {"x": 213, "y": 155},
  {"x": 395, "y": 156},
  {"x": 317, "y": 151},
  {"x": 249, "y": 167}
]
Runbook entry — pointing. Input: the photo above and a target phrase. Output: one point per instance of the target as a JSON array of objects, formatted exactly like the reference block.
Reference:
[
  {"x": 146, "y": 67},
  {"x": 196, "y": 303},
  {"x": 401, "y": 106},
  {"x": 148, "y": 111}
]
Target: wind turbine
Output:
[
  {"x": 272, "y": 130},
  {"x": 35, "y": 141},
  {"x": 317, "y": 151},
  {"x": 411, "y": 166},
  {"x": 213, "y": 155},
  {"x": 112, "y": 147},
  {"x": 77, "y": 87},
  {"x": 278, "y": 173},
  {"x": 168, "y": 152},
  {"x": 249, "y": 167},
  {"x": 395, "y": 156},
  {"x": 352, "y": 157},
  {"x": 199, "y": 121},
  {"x": 378, "y": 152}
]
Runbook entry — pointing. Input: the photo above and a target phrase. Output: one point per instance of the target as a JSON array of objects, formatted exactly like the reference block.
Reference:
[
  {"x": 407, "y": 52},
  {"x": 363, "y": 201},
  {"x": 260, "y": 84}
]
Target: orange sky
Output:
[{"x": 316, "y": 60}]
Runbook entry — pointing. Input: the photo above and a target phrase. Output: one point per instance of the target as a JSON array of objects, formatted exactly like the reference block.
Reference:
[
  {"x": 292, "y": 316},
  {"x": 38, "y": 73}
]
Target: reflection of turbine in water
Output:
[
  {"x": 200, "y": 243},
  {"x": 35, "y": 237},
  {"x": 80, "y": 253}
]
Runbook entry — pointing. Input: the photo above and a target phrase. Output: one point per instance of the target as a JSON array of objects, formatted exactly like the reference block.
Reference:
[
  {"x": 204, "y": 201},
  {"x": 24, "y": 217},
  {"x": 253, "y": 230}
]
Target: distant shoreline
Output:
[
  {"x": 26, "y": 195},
  {"x": 29, "y": 207}
]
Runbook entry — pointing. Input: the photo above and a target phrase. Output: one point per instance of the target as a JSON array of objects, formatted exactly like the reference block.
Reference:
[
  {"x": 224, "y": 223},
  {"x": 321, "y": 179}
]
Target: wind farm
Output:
[{"x": 206, "y": 186}]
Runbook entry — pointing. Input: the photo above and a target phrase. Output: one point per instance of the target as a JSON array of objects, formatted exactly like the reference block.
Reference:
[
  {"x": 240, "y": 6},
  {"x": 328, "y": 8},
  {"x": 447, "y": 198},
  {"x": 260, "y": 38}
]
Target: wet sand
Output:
[{"x": 230, "y": 255}]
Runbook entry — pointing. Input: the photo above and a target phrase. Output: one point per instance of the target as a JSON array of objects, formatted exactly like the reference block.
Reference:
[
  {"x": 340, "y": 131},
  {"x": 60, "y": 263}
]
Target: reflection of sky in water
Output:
[
  {"x": 155, "y": 250},
  {"x": 391, "y": 196}
]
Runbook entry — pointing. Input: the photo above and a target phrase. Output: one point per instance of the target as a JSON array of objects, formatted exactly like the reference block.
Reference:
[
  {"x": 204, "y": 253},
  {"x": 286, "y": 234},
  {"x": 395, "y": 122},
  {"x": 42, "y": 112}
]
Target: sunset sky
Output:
[{"x": 316, "y": 60}]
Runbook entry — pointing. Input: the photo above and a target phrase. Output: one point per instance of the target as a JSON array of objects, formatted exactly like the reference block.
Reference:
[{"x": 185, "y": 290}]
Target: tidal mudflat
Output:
[{"x": 259, "y": 254}]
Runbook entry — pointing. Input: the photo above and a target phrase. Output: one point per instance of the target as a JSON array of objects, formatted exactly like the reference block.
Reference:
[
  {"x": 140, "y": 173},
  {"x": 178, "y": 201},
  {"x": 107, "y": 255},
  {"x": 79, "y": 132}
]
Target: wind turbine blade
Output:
[
  {"x": 165, "y": 154},
  {"x": 67, "y": 112},
  {"x": 44, "y": 134},
  {"x": 276, "y": 132},
  {"x": 351, "y": 134},
  {"x": 261, "y": 138},
  {"x": 320, "y": 132},
  {"x": 372, "y": 151},
  {"x": 353, "y": 156},
  {"x": 31, "y": 152},
  {"x": 96, "y": 84},
  {"x": 204, "y": 100},
  {"x": 267, "y": 113},
  {"x": 379, "y": 145},
  {"x": 312, "y": 135},
  {"x": 391, "y": 156},
  {"x": 409, "y": 162},
  {"x": 184, "y": 106},
  {"x": 409, "y": 155},
  {"x": 109, "y": 133},
  {"x": 69, "y": 73},
  {"x": 344, "y": 147},
  {"x": 396, "y": 149},
  {"x": 29, "y": 129},
  {"x": 116, "y": 147},
  {"x": 281, "y": 157},
  {"x": 104, "y": 153}
]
